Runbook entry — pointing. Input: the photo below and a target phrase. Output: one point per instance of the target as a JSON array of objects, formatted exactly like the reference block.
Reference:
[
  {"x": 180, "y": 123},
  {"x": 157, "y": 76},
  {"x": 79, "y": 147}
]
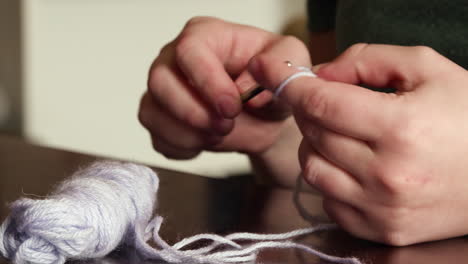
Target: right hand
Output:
[
  {"x": 194, "y": 91},
  {"x": 384, "y": 162}
]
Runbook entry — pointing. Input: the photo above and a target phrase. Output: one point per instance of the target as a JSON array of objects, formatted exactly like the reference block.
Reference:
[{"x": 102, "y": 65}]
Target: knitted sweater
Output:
[{"x": 440, "y": 24}]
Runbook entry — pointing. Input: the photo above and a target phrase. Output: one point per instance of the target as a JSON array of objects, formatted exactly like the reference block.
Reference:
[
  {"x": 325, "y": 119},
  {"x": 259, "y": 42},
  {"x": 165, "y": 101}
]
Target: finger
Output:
[
  {"x": 206, "y": 72},
  {"x": 386, "y": 66},
  {"x": 349, "y": 218},
  {"x": 284, "y": 48},
  {"x": 171, "y": 152},
  {"x": 349, "y": 154},
  {"x": 167, "y": 128},
  {"x": 330, "y": 180},
  {"x": 343, "y": 108},
  {"x": 171, "y": 91},
  {"x": 261, "y": 105},
  {"x": 256, "y": 140},
  {"x": 247, "y": 83}
]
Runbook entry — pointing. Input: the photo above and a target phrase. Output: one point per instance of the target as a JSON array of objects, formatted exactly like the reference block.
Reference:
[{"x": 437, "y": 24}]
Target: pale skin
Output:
[{"x": 392, "y": 168}]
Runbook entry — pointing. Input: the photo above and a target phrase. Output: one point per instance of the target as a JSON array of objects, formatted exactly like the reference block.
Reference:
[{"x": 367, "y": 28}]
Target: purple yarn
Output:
[
  {"x": 88, "y": 216},
  {"x": 111, "y": 203}
]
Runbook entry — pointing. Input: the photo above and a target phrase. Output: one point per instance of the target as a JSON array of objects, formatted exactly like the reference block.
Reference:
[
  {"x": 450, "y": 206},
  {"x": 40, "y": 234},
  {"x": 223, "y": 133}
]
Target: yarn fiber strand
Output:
[
  {"x": 87, "y": 216},
  {"x": 110, "y": 204}
]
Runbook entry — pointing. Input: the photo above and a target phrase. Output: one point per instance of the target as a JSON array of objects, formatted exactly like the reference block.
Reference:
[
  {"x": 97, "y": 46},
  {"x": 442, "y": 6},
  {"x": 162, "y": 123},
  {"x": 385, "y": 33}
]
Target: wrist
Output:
[{"x": 279, "y": 163}]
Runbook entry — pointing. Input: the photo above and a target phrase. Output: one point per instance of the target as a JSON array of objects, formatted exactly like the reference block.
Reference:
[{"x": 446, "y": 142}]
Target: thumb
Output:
[
  {"x": 344, "y": 108},
  {"x": 386, "y": 66}
]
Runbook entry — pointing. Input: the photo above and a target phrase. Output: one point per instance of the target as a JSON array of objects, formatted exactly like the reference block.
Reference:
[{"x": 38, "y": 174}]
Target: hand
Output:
[
  {"x": 192, "y": 100},
  {"x": 392, "y": 168},
  {"x": 193, "y": 104}
]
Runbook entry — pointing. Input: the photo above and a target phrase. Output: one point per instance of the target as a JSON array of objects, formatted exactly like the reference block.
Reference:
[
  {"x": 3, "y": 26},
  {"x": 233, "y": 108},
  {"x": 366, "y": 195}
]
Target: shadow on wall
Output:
[
  {"x": 5, "y": 107},
  {"x": 297, "y": 27},
  {"x": 10, "y": 67}
]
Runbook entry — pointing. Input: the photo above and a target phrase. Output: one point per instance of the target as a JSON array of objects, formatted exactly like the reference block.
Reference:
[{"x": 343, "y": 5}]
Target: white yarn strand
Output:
[
  {"x": 312, "y": 219},
  {"x": 110, "y": 204},
  {"x": 303, "y": 71}
]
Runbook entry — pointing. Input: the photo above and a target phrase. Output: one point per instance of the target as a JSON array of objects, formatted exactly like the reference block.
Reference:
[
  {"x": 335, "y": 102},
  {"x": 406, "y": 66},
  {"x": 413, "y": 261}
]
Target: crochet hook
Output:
[{"x": 251, "y": 93}]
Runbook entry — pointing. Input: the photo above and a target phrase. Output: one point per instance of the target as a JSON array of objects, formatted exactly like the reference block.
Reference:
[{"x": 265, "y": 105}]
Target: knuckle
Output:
[
  {"x": 393, "y": 238},
  {"x": 157, "y": 77},
  {"x": 143, "y": 114},
  {"x": 188, "y": 143},
  {"x": 395, "y": 233},
  {"x": 311, "y": 170},
  {"x": 198, "y": 20},
  {"x": 184, "y": 45},
  {"x": 402, "y": 134},
  {"x": 155, "y": 143},
  {"x": 298, "y": 47},
  {"x": 209, "y": 85},
  {"x": 294, "y": 41},
  {"x": 166, "y": 49},
  {"x": 263, "y": 60},
  {"x": 392, "y": 224},
  {"x": 172, "y": 152},
  {"x": 164, "y": 96},
  {"x": 395, "y": 217},
  {"x": 424, "y": 53},
  {"x": 356, "y": 49},
  {"x": 168, "y": 154},
  {"x": 405, "y": 130},
  {"x": 399, "y": 182},
  {"x": 164, "y": 53},
  {"x": 195, "y": 118},
  {"x": 320, "y": 140},
  {"x": 390, "y": 180},
  {"x": 316, "y": 104},
  {"x": 143, "y": 118},
  {"x": 312, "y": 132}
]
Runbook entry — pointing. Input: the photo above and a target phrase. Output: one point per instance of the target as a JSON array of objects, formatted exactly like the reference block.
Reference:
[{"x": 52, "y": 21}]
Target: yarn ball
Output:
[{"x": 87, "y": 216}]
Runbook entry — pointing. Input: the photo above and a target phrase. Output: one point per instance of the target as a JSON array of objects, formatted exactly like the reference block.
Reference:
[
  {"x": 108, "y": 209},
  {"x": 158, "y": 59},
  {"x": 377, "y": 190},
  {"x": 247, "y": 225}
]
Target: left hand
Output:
[{"x": 392, "y": 168}]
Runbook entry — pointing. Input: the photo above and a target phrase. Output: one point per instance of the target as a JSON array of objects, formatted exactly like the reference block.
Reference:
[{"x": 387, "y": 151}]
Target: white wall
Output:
[{"x": 85, "y": 67}]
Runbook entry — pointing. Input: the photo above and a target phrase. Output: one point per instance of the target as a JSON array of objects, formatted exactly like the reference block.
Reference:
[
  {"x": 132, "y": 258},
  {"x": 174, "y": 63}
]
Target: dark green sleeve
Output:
[{"x": 321, "y": 15}]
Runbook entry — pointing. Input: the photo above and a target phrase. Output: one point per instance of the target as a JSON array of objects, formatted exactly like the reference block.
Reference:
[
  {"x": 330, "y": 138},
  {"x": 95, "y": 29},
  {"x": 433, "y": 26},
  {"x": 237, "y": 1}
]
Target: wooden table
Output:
[{"x": 192, "y": 204}]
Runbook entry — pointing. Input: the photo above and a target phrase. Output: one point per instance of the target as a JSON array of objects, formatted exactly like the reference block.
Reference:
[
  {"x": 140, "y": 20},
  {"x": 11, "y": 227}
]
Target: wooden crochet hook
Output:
[
  {"x": 256, "y": 89},
  {"x": 251, "y": 93}
]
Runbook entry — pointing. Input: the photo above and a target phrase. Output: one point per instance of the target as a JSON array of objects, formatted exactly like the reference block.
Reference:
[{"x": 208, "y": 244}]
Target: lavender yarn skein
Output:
[
  {"x": 111, "y": 203},
  {"x": 88, "y": 216}
]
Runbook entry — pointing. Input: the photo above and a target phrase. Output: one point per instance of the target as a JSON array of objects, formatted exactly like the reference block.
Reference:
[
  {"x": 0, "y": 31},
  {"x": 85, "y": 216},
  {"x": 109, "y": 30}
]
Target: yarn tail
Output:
[{"x": 228, "y": 249}]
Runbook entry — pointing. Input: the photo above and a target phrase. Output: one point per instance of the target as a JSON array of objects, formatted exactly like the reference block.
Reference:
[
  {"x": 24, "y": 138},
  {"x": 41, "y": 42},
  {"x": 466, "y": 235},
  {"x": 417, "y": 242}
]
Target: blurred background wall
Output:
[
  {"x": 10, "y": 67},
  {"x": 72, "y": 71}
]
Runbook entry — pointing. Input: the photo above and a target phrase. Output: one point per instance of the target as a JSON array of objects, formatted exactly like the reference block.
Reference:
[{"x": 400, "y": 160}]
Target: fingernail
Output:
[
  {"x": 223, "y": 126},
  {"x": 228, "y": 106}
]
